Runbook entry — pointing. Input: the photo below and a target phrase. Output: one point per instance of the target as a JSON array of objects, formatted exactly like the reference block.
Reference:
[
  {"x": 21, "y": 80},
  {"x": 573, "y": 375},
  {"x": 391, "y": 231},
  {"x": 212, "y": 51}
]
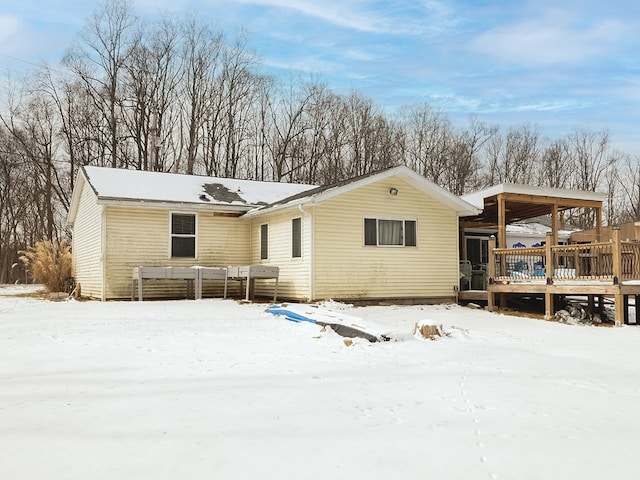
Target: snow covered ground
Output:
[{"x": 215, "y": 389}]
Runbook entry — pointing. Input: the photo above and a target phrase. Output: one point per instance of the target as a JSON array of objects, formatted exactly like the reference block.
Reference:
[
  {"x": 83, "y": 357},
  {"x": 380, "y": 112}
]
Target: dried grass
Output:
[{"x": 49, "y": 263}]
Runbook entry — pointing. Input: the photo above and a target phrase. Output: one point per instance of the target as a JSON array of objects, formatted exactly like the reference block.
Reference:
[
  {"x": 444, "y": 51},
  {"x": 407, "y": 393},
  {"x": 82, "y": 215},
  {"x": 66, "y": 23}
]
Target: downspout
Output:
[
  {"x": 103, "y": 254},
  {"x": 312, "y": 262}
]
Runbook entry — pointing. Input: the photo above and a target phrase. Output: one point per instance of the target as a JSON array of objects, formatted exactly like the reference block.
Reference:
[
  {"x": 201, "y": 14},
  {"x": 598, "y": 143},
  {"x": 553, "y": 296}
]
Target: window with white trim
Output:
[
  {"x": 264, "y": 241},
  {"x": 383, "y": 232},
  {"x": 296, "y": 237},
  {"x": 183, "y": 235}
]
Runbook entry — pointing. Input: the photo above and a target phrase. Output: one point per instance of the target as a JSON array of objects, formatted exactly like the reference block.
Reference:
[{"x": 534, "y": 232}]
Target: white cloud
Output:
[
  {"x": 10, "y": 25},
  {"x": 336, "y": 13},
  {"x": 390, "y": 17},
  {"x": 555, "y": 38}
]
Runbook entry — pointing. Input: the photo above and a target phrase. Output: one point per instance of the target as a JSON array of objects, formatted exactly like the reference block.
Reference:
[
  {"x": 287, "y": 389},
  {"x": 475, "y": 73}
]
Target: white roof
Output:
[
  {"x": 477, "y": 198},
  {"x": 113, "y": 185},
  {"x": 137, "y": 185}
]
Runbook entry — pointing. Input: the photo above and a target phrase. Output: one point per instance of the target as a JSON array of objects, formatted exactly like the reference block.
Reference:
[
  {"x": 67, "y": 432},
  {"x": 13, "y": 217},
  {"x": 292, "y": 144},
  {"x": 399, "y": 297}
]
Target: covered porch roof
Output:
[{"x": 507, "y": 203}]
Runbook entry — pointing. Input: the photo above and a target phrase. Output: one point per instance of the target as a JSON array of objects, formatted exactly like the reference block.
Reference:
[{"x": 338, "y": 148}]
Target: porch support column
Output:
[
  {"x": 616, "y": 255},
  {"x": 598, "y": 224},
  {"x": 462, "y": 242},
  {"x": 548, "y": 305},
  {"x": 619, "y": 309},
  {"x": 491, "y": 298},
  {"x": 549, "y": 260},
  {"x": 502, "y": 222},
  {"x": 554, "y": 223},
  {"x": 491, "y": 303}
]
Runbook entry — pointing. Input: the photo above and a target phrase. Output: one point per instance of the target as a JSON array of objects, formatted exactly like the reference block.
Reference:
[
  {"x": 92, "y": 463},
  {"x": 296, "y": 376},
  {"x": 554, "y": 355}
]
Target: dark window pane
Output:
[
  {"x": 410, "y": 233},
  {"x": 370, "y": 231},
  {"x": 296, "y": 240},
  {"x": 183, "y": 247},
  {"x": 264, "y": 239},
  {"x": 183, "y": 224}
]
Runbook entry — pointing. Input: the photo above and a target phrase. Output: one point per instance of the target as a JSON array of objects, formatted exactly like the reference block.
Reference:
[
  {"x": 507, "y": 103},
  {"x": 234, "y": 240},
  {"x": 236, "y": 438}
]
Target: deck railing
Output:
[{"x": 612, "y": 261}]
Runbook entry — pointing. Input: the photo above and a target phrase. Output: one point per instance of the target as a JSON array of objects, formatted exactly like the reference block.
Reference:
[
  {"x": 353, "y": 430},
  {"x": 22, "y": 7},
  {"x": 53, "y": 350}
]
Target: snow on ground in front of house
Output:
[{"x": 216, "y": 389}]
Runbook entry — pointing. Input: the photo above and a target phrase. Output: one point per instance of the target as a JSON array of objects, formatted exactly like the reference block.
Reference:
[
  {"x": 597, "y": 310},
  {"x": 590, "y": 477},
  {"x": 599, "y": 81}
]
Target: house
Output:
[{"x": 390, "y": 235}]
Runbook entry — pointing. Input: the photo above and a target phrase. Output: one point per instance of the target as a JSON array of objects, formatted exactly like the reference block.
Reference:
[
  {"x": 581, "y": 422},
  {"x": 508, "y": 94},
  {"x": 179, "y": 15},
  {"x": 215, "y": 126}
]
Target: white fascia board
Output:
[
  {"x": 75, "y": 198},
  {"x": 477, "y": 198}
]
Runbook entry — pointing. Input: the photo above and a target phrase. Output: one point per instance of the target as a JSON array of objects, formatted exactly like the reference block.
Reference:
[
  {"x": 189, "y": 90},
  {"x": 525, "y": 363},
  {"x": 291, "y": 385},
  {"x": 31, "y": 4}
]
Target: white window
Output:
[
  {"x": 390, "y": 232},
  {"x": 296, "y": 237},
  {"x": 264, "y": 241},
  {"x": 183, "y": 235}
]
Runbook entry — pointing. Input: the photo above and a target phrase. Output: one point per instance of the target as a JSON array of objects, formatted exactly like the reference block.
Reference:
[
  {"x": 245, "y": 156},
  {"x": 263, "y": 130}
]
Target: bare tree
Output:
[
  {"x": 98, "y": 61},
  {"x": 290, "y": 123},
  {"x": 515, "y": 156},
  {"x": 556, "y": 167},
  {"x": 428, "y": 140},
  {"x": 151, "y": 81},
  {"x": 201, "y": 53},
  {"x": 463, "y": 172},
  {"x": 591, "y": 160}
]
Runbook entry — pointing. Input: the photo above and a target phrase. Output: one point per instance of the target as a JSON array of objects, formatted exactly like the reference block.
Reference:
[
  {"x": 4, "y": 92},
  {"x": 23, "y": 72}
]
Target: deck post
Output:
[
  {"x": 492, "y": 259},
  {"x": 548, "y": 305},
  {"x": 619, "y": 309},
  {"x": 491, "y": 303},
  {"x": 549, "y": 257},
  {"x": 502, "y": 299},
  {"x": 637, "y": 309},
  {"x": 491, "y": 271},
  {"x": 617, "y": 257},
  {"x": 502, "y": 221}
]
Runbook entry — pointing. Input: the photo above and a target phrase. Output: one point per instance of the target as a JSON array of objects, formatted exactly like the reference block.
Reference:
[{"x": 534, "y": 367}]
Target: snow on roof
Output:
[
  {"x": 137, "y": 185},
  {"x": 477, "y": 198},
  {"x": 534, "y": 230}
]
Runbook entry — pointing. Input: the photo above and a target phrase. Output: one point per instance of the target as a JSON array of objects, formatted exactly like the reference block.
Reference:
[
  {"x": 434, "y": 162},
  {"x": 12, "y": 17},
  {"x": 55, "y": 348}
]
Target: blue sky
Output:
[{"x": 555, "y": 64}]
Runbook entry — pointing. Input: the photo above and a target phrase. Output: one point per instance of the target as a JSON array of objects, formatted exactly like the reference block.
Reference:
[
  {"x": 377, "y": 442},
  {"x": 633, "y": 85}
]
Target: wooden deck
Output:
[
  {"x": 604, "y": 269},
  {"x": 472, "y": 295}
]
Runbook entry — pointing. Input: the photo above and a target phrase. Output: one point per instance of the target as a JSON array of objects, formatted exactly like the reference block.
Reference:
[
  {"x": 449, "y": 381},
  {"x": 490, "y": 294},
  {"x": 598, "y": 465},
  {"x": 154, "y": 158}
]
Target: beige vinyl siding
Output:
[
  {"x": 87, "y": 244},
  {"x": 141, "y": 236},
  {"x": 346, "y": 268},
  {"x": 295, "y": 273}
]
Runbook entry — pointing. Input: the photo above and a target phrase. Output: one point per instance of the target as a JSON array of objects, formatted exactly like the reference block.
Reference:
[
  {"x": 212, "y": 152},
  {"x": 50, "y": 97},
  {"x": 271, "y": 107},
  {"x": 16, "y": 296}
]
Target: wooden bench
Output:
[
  {"x": 210, "y": 273},
  {"x": 160, "y": 273},
  {"x": 197, "y": 274},
  {"x": 252, "y": 272}
]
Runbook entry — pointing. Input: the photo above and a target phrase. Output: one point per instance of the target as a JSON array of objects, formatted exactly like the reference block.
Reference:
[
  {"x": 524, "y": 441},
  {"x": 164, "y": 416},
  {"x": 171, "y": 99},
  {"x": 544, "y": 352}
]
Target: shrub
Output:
[{"x": 49, "y": 263}]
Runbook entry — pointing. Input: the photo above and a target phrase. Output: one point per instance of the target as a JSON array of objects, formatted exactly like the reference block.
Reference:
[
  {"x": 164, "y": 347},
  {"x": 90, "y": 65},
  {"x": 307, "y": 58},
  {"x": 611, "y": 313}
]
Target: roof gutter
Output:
[{"x": 240, "y": 209}]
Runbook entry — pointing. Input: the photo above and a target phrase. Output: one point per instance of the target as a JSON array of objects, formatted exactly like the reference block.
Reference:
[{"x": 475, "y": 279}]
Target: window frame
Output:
[
  {"x": 264, "y": 241},
  {"x": 193, "y": 235},
  {"x": 298, "y": 221},
  {"x": 377, "y": 220}
]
